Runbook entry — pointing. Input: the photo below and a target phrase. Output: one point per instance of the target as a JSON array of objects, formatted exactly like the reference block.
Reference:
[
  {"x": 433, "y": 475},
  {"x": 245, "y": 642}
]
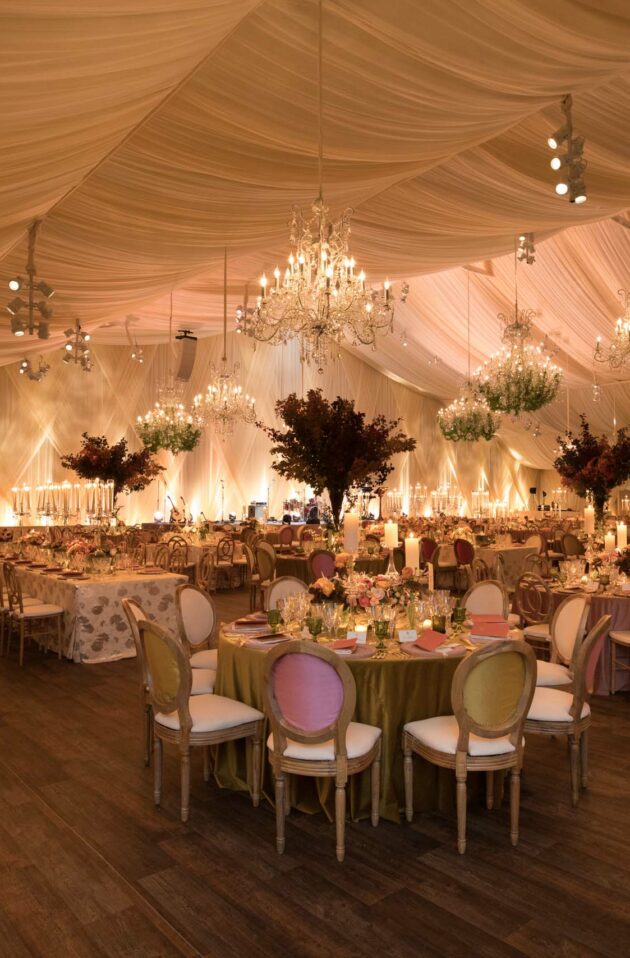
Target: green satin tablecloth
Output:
[
  {"x": 298, "y": 566},
  {"x": 390, "y": 692}
]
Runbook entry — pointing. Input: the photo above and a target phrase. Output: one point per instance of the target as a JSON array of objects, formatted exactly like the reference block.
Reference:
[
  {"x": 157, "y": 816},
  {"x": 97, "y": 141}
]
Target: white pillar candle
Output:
[
  {"x": 351, "y": 532},
  {"x": 589, "y": 520},
  {"x": 391, "y": 535},
  {"x": 412, "y": 552},
  {"x": 609, "y": 542},
  {"x": 622, "y": 535}
]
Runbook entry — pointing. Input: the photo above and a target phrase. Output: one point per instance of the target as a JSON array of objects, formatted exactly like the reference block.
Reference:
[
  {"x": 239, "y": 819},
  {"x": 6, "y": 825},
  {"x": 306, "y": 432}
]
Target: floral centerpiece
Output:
[
  {"x": 592, "y": 466},
  {"x": 358, "y": 591},
  {"x": 623, "y": 561}
]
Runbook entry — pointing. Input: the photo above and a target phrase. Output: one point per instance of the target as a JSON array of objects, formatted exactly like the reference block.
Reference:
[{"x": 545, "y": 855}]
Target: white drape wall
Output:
[{"x": 44, "y": 420}]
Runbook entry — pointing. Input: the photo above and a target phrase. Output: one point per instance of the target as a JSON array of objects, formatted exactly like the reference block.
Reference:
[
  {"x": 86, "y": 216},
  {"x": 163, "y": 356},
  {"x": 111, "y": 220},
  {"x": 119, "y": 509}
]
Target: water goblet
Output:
[
  {"x": 381, "y": 631},
  {"x": 273, "y": 618},
  {"x": 315, "y": 625}
]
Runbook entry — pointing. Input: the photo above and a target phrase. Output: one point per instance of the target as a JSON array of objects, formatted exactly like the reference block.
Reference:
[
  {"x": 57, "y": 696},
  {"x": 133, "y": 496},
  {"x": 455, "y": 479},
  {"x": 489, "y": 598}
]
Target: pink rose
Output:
[
  {"x": 407, "y": 572},
  {"x": 364, "y": 601}
]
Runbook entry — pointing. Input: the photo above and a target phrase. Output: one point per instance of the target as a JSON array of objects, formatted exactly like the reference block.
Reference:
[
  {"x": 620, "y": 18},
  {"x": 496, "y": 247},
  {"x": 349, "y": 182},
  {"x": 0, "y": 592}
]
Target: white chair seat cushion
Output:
[
  {"x": 538, "y": 631},
  {"x": 39, "y": 611},
  {"x": 360, "y": 739},
  {"x": 552, "y": 705},
  {"x": 203, "y": 681},
  {"x": 442, "y": 732},
  {"x": 623, "y": 638},
  {"x": 212, "y": 713},
  {"x": 552, "y": 673},
  {"x": 514, "y": 620},
  {"x": 205, "y": 659}
]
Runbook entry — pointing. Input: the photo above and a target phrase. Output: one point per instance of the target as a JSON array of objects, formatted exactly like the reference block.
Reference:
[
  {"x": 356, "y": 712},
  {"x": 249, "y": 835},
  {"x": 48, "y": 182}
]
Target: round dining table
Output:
[
  {"x": 295, "y": 564},
  {"x": 391, "y": 691},
  {"x": 618, "y": 607}
]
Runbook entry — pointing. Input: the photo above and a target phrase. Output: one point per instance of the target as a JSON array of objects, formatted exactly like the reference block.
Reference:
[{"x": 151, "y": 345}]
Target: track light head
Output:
[
  {"x": 43, "y": 330},
  {"x": 577, "y": 192},
  {"x": 558, "y": 137},
  {"x": 17, "y": 326},
  {"x": 45, "y": 289},
  {"x": 44, "y": 309},
  {"x": 15, "y": 284},
  {"x": 15, "y": 305},
  {"x": 562, "y": 188}
]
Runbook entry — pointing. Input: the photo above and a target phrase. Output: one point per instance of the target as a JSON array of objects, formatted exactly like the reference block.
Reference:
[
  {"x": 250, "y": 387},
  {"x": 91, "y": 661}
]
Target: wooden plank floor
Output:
[{"x": 88, "y": 867}]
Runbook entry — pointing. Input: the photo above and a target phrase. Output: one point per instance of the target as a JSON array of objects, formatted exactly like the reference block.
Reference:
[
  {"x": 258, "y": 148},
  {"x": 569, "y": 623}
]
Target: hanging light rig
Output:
[
  {"x": 322, "y": 299},
  {"x": 38, "y": 311}
]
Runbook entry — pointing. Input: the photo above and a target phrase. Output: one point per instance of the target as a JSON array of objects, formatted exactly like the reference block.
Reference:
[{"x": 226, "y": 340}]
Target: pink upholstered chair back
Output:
[
  {"x": 464, "y": 551},
  {"x": 322, "y": 564},
  {"x": 308, "y": 691}
]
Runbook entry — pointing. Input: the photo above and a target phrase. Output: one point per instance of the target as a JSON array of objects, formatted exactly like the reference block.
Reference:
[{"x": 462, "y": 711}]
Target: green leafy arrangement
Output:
[
  {"x": 329, "y": 445},
  {"x": 130, "y": 471},
  {"x": 173, "y": 436}
]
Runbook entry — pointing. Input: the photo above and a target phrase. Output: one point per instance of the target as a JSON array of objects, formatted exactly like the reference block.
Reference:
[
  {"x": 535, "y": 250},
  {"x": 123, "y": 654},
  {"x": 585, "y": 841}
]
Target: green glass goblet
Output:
[
  {"x": 381, "y": 631},
  {"x": 273, "y": 619},
  {"x": 314, "y": 624}
]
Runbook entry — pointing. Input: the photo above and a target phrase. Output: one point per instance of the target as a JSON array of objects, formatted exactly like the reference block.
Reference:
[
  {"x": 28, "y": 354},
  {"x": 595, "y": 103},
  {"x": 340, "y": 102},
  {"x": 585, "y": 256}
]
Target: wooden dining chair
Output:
[
  {"x": 285, "y": 536},
  {"x": 266, "y": 562},
  {"x": 282, "y": 587},
  {"x": 571, "y": 545},
  {"x": 533, "y": 600},
  {"x": 191, "y": 721},
  {"x": 196, "y": 620},
  {"x": 162, "y": 556},
  {"x": 224, "y": 561},
  {"x": 310, "y": 697},
  {"x": 566, "y": 631},
  {"x": 206, "y": 574},
  {"x": 321, "y": 562},
  {"x": 34, "y": 620},
  {"x": 556, "y": 712},
  {"x": 490, "y": 696},
  {"x": 619, "y": 639},
  {"x": 486, "y": 597}
]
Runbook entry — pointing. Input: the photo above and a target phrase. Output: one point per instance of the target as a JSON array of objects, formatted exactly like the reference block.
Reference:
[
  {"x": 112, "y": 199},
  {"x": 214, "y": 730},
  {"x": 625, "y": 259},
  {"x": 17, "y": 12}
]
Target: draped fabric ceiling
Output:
[{"x": 150, "y": 134}]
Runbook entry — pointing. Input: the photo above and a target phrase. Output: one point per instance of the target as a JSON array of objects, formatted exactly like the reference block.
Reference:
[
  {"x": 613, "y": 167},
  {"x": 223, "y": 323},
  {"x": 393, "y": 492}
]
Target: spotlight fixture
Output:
[
  {"x": 17, "y": 326},
  {"x": 76, "y": 350},
  {"x": 526, "y": 251},
  {"x": 32, "y": 287},
  {"x": 35, "y": 374},
  {"x": 571, "y": 164},
  {"x": 137, "y": 354}
]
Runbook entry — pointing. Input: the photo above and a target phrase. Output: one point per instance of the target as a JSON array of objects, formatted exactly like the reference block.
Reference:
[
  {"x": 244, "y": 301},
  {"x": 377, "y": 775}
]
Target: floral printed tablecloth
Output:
[{"x": 96, "y": 628}]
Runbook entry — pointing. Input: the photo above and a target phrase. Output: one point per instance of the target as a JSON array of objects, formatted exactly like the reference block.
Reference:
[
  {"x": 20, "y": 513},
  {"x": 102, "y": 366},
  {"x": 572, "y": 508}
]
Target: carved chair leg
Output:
[
  {"x": 280, "y": 840},
  {"x": 515, "y": 800},
  {"x": 256, "y": 767},
  {"x": 21, "y": 642},
  {"x": 147, "y": 728},
  {"x": 584, "y": 758},
  {"x": 340, "y": 821},
  {"x": 461, "y": 813},
  {"x": 376, "y": 787},
  {"x": 574, "y": 756},
  {"x": 157, "y": 770},
  {"x": 185, "y": 782}
]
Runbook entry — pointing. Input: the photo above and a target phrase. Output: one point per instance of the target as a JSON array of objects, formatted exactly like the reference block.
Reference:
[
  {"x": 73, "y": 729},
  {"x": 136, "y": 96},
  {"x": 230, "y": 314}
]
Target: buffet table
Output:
[
  {"x": 390, "y": 692},
  {"x": 96, "y": 628}
]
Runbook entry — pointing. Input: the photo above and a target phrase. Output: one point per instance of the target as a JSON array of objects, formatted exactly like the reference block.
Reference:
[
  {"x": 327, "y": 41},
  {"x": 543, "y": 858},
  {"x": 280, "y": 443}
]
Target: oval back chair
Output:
[
  {"x": 571, "y": 545},
  {"x": 135, "y": 614},
  {"x": 464, "y": 551},
  {"x": 486, "y": 598},
  {"x": 321, "y": 562},
  {"x": 533, "y": 599},
  {"x": 310, "y": 696},
  {"x": 282, "y": 587},
  {"x": 285, "y": 536},
  {"x": 161, "y": 556}
]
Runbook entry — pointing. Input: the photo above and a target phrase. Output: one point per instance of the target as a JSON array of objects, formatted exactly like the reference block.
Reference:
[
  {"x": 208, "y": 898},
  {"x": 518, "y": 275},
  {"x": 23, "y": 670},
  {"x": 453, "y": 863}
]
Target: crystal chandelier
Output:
[
  {"x": 322, "y": 299},
  {"x": 32, "y": 288},
  {"x": 469, "y": 417},
  {"x": 521, "y": 377},
  {"x": 617, "y": 354},
  {"x": 224, "y": 403},
  {"x": 169, "y": 425}
]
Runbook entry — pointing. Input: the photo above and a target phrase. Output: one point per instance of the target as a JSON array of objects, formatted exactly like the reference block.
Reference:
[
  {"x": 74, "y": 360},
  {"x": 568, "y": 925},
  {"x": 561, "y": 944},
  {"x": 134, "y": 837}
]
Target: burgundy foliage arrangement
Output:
[
  {"x": 593, "y": 465},
  {"x": 130, "y": 471}
]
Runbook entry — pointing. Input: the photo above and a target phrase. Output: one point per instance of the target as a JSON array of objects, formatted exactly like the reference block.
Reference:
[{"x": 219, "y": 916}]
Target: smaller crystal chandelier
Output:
[
  {"x": 169, "y": 425},
  {"x": 322, "y": 299},
  {"x": 469, "y": 417},
  {"x": 521, "y": 377},
  {"x": 617, "y": 354},
  {"x": 224, "y": 403},
  {"x": 38, "y": 311},
  {"x": 76, "y": 349}
]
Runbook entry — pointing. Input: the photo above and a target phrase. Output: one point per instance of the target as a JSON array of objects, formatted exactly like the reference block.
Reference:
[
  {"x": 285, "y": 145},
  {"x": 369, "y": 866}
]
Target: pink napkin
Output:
[
  {"x": 479, "y": 617},
  {"x": 343, "y": 644},
  {"x": 252, "y": 619},
  {"x": 491, "y": 630},
  {"x": 430, "y": 640}
]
